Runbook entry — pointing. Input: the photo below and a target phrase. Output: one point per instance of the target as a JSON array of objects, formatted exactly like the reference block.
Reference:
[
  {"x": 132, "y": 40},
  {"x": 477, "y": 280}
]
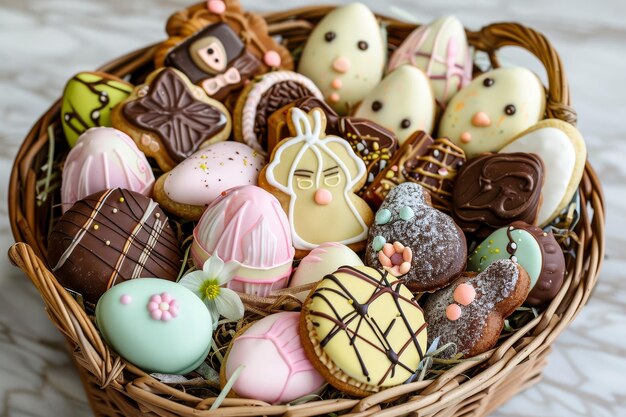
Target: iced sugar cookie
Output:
[
  {"x": 315, "y": 177},
  {"x": 403, "y": 102},
  {"x": 87, "y": 102},
  {"x": 345, "y": 56},
  {"x": 196, "y": 182},
  {"x": 440, "y": 49},
  {"x": 363, "y": 330},
  {"x": 494, "y": 108},
  {"x": 563, "y": 151}
]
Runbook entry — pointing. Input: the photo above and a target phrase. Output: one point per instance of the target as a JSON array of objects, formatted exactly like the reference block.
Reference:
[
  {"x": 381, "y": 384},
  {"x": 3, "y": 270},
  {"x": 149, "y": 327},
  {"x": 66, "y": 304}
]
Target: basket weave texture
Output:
[{"x": 117, "y": 388}]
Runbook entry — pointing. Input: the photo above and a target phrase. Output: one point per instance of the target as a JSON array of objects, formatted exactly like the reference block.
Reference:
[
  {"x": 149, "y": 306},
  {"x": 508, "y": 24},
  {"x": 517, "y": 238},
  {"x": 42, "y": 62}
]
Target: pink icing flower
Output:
[
  {"x": 395, "y": 258},
  {"x": 162, "y": 307}
]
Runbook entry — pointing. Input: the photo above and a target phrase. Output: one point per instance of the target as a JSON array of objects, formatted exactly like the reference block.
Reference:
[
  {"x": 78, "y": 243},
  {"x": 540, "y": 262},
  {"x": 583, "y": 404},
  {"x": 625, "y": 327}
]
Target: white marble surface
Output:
[{"x": 42, "y": 43}]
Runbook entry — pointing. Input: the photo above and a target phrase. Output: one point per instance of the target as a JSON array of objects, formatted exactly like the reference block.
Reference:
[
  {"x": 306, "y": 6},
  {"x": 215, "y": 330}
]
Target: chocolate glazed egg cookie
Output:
[{"x": 363, "y": 331}]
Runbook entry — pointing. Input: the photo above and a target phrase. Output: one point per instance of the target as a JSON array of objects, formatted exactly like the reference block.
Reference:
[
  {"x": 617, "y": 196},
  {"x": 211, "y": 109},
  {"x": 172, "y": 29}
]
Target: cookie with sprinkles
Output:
[
  {"x": 111, "y": 237},
  {"x": 363, "y": 330}
]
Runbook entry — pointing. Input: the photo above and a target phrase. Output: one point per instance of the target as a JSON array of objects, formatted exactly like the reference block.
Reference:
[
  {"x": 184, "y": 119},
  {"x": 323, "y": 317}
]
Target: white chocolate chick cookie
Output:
[
  {"x": 494, "y": 108},
  {"x": 345, "y": 56},
  {"x": 403, "y": 102}
]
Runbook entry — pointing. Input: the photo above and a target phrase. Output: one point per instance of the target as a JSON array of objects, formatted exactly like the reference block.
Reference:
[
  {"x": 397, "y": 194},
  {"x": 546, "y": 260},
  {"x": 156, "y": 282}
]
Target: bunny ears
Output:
[{"x": 302, "y": 126}]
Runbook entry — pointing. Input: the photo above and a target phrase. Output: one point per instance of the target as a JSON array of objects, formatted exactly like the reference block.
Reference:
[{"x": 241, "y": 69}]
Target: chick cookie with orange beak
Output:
[
  {"x": 493, "y": 109},
  {"x": 315, "y": 178}
]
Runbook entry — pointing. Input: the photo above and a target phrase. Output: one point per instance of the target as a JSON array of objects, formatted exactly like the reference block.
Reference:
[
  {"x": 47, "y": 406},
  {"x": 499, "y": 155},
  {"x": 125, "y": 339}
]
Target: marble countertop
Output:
[{"x": 43, "y": 43}]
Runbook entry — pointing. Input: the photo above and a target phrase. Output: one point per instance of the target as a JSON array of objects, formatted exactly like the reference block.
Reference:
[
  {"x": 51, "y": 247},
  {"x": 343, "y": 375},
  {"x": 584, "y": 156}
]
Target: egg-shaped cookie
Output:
[{"x": 157, "y": 325}]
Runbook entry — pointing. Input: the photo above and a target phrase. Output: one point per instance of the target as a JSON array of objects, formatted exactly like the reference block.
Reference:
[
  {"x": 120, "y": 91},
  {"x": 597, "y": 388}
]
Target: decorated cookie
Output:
[
  {"x": 325, "y": 259},
  {"x": 470, "y": 313},
  {"x": 433, "y": 164},
  {"x": 276, "y": 369},
  {"x": 563, "y": 151},
  {"x": 537, "y": 251},
  {"x": 263, "y": 97},
  {"x": 345, "y": 56},
  {"x": 440, "y": 49},
  {"x": 494, "y": 190},
  {"x": 363, "y": 330},
  {"x": 494, "y": 108},
  {"x": 247, "y": 225},
  {"x": 315, "y": 177},
  {"x": 157, "y": 325},
  {"x": 104, "y": 158},
  {"x": 403, "y": 102},
  {"x": 196, "y": 182},
  {"x": 169, "y": 118},
  {"x": 111, "y": 237},
  {"x": 415, "y": 241},
  {"x": 87, "y": 102}
]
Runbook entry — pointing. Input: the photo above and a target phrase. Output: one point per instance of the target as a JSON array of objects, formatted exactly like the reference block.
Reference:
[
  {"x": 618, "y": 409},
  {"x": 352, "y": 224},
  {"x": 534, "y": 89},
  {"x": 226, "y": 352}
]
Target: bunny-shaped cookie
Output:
[{"x": 315, "y": 178}]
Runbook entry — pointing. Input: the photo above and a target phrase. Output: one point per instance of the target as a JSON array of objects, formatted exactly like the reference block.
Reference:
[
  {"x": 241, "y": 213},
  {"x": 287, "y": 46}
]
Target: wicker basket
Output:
[{"x": 116, "y": 388}]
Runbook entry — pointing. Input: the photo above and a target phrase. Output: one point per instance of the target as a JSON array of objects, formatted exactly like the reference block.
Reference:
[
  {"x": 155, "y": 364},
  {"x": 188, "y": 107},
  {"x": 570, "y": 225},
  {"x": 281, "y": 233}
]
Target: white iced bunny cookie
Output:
[
  {"x": 494, "y": 108},
  {"x": 315, "y": 177},
  {"x": 345, "y": 56},
  {"x": 563, "y": 150},
  {"x": 440, "y": 49},
  {"x": 403, "y": 102}
]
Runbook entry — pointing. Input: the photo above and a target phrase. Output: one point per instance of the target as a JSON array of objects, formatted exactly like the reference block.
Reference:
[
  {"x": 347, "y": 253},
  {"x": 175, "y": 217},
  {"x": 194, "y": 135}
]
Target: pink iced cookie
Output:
[
  {"x": 247, "y": 224},
  {"x": 104, "y": 158},
  {"x": 276, "y": 369},
  {"x": 197, "y": 181}
]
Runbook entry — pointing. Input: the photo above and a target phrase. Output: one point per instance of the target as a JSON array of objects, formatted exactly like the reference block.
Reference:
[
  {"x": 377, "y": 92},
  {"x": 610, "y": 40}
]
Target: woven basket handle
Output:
[
  {"x": 493, "y": 37},
  {"x": 69, "y": 318}
]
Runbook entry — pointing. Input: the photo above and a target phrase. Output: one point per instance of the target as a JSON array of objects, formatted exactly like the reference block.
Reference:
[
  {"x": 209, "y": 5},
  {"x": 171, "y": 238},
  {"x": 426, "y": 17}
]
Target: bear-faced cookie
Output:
[
  {"x": 170, "y": 118},
  {"x": 563, "y": 151},
  {"x": 88, "y": 99},
  {"x": 470, "y": 313},
  {"x": 403, "y": 102},
  {"x": 415, "y": 241},
  {"x": 440, "y": 49},
  {"x": 536, "y": 251},
  {"x": 363, "y": 330},
  {"x": 494, "y": 108},
  {"x": 494, "y": 190},
  {"x": 315, "y": 177},
  {"x": 345, "y": 56}
]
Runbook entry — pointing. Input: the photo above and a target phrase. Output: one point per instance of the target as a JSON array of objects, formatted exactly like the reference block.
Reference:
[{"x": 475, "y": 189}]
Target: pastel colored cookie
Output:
[
  {"x": 104, "y": 158},
  {"x": 494, "y": 190},
  {"x": 157, "y": 325},
  {"x": 470, "y": 313},
  {"x": 536, "y": 251},
  {"x": 263, "y": 97},
  {"x": 431, "y": 163},
  {"x": 494, "y": 108},
  {"x": 247, "y": 225},
  {"x": 563, "y": 151},
  {"x": 88, "y": 98},
  {"x": 345, "y": 56},
  {"x": 403, "y": 102},
  {"x": 276, "y": 369},
  {"x": 363, "y": 330},
  {"x": 170, "y": 118},
  {"x": 323, "y": 260},
  {"x": 196, "y": 182},
  {"x": 315, "y": 177},
  {"x": 415, "y": 241},
  {"x": 111, "y": 237},
  {"x": 440, "y": 49}
]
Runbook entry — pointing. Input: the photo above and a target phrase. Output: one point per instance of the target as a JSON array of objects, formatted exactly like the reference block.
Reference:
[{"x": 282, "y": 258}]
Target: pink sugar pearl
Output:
[
  {"x": 272, "y": 59},
  {"x": 216, "y": 6},
  {"x": 464, "y": 294}
]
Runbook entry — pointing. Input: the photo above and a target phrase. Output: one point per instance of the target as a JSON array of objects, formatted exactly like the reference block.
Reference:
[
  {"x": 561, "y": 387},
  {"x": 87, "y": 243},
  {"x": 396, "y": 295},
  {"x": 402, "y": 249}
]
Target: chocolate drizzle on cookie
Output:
[
  {"x": 360, "y": 317},
  {"x": 172, "y": 111}
]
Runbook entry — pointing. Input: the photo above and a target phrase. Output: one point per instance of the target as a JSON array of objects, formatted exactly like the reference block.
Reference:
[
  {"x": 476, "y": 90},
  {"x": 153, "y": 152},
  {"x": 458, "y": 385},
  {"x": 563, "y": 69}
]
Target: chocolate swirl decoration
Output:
[
  {"x": 363, "y": 318},
  {"x": 171, "y": 111},
  {"x": 496, "y": 189}
]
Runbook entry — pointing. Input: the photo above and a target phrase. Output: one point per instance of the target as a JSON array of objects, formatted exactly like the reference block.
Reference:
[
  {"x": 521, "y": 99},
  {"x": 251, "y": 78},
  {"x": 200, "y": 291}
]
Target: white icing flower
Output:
[{"x": 208, "y": 284}]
